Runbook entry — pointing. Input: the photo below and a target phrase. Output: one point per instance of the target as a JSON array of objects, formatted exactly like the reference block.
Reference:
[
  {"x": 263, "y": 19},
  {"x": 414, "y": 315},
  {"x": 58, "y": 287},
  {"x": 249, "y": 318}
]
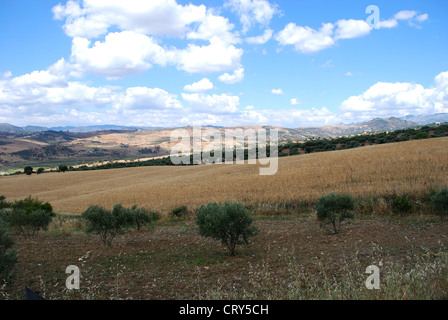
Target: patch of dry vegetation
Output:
[{"x": 407, "y": 168}]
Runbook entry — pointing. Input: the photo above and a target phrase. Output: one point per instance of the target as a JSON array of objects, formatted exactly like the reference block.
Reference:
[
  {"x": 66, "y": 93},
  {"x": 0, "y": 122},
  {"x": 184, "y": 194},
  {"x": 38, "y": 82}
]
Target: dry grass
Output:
[{"x": 410, "y": 168}]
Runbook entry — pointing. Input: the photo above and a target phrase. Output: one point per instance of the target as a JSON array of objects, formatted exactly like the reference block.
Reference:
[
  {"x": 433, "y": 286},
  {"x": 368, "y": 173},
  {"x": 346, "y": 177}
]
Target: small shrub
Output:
[
  {"x": 335, "y": 208},
  {"x": 40, "y": 170},
  {"x": 402, "y": 205},
  {"x": 8, "y": 257},
  {"x": 141, "y": 217},
  {"x": 230, "y": 223},
  {"x": 440, "y": 202},
  {"x": 106, "y": 223},
  {"x": 4, "y": 203},
  {"x": 29, "y": 223},
  {"x": 179, "y": 212}
]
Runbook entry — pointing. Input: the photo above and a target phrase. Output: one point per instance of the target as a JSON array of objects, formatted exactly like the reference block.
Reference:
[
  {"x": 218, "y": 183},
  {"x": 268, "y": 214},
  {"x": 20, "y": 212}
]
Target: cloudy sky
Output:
[{"x": 173, "y": 63}]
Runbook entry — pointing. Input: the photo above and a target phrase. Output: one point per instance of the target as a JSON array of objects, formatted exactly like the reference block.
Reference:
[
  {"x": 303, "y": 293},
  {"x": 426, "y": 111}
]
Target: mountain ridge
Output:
[{"x": 376, "y": 124}]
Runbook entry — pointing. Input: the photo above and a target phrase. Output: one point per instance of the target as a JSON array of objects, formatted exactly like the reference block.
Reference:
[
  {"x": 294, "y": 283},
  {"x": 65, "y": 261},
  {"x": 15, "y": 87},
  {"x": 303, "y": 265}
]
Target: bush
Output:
[
  {"x": 106, "y": 223},
  {"x": 402, "y": 204},
  {"x": 63, "y": 168},
  {"x": 440, "y": 202},
  {"x": 335, "y": 208},
  {"x": 421, "y": 135},
  {"x": 231, "y": 223},
  {"x": 141, "y": 217},
  {"x": 40, "y": 170},
  {"x": 8, "y": 257},
  {"x": 4, "y": 203},
  {"x": 29, "y": 223},
  {"x": 28, "y": 170},
  {"x": 29, "y": 204},
  {"x": 179, "y": 212}
]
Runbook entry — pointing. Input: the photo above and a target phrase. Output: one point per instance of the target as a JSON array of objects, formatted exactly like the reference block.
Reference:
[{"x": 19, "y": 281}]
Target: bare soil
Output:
[{"x": 171, "y": 261}]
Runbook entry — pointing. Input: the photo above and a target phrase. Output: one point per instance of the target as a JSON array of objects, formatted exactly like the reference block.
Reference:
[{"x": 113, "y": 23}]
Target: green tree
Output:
[
  {"x": 63, "y": 168},
  {"x": 28, "y": 170},
  {"x": 107, "y": 223},
  {"x": 29, "y": 223},
  {"x": 335, "y": 208},
  {"x": 40, "y": 170},
  {"x": 141, "y": 217},
  {"x": 29, "y": 204},
  {"x": 230, "y": 223},
  {"x": 440, "y": 202},
  {"x": 4, "y": 203},
  {"x": 8, "y": 257}
]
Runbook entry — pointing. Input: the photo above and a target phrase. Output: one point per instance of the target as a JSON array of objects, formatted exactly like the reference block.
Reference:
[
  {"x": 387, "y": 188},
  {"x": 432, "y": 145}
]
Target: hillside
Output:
[
  {"x": 31, "y": 146},
  {"x": 405, "y": 168},
  {"x": 378, "y": 124}
]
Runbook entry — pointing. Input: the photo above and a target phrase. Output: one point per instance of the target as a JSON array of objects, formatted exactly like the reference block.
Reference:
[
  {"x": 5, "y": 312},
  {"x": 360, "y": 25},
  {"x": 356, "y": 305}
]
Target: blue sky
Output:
[{"x": 234, "y": 62}]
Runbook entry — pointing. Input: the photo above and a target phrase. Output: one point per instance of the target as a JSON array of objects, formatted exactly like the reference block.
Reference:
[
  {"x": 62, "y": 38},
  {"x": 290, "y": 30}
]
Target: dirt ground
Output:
[{"x": 171, "y": 261}]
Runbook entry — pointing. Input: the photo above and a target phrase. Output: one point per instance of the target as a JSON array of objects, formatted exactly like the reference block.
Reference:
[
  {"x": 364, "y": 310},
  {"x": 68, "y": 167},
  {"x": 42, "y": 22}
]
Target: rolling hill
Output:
[{"x": 32, "y": 146}]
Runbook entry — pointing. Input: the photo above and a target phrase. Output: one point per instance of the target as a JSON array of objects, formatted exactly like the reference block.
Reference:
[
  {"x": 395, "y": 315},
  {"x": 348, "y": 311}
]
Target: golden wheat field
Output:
[{"x": 402, "y": 168}]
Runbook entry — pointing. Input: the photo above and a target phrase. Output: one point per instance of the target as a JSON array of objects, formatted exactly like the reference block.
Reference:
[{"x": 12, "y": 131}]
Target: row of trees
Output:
[
  {"x": 230, "y": 223},
  {"x": 109, "y": 223},
  {"x": 28, "y": 170},
  {"x": 29, "y": 216},
  {"x": 323, "y": 145}
]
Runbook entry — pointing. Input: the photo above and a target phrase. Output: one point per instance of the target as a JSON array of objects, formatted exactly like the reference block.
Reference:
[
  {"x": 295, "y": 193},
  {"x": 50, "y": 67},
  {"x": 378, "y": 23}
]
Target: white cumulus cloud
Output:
[
  {"x": 265, "y": 37},
  {"x": 213, "y": 104},
  {"x": 308, "y": 40},
  {"x": 253, "y": 12},
  {"x": 121, "y": 53},
  {"x": 305, "y": 39},
  {"x": 92, "y": 18},
  {"x": 237, "y": 76},
  {"x": 200, "y": 86},
  {"x": 348, "y": 29},
  {"x": 277, "y": 91},
  {"x": 399, "y": 99},
  {"x": 218, "y": 56}
]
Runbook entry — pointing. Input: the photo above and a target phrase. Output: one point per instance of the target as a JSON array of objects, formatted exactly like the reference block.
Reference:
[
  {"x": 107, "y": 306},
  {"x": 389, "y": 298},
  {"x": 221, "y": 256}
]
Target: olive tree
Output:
[
  {"x": 335, "y": 208},
  {"x": 107, "y": 223},
  {"x": 8, "y": 257},
  {"x": 440, "y": 202},
  {"x": 231, "y": 223}
]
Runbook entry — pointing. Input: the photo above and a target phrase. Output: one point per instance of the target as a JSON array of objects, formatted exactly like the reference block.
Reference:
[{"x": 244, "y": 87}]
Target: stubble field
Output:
[{"x": 409, "y": 168}]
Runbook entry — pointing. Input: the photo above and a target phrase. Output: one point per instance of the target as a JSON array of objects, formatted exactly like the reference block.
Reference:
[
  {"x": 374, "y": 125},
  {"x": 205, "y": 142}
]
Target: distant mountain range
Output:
[
  {"x": 427, "y": 119},
  {"x": 6, "y": 127},
  {"x": 325, "y": 131}
]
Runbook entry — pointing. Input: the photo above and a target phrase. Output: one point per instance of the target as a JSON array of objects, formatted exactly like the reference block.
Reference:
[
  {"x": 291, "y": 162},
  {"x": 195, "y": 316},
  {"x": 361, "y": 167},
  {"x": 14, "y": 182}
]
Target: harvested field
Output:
[{"x": 406, "y": 168}]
